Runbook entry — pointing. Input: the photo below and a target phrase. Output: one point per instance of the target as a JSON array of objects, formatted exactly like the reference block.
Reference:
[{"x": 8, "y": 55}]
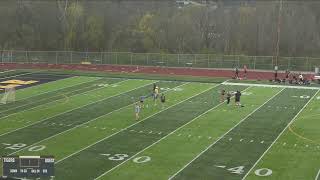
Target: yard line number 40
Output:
[{"x": 240, "y": 170}]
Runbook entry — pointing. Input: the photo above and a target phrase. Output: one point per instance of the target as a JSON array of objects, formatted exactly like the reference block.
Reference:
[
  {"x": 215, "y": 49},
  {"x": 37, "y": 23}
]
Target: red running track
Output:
[{"x": 260, "y": 75}]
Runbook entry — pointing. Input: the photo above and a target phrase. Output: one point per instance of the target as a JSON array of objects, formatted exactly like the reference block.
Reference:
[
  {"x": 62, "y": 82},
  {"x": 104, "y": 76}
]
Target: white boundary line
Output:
[
  {"x": 292, "y": 120},
  {"x": 75, "y": 108},
  {"x": 134, "y": 124},
  {"x": 270, "y": 86},
  {"x": 19, "y": 75},
  {"x": 45, "y": 92},
  {"x": 318, "y": 175},
  {"x": 204, "y": 113},
  {"x": 58, "y": 100},
  {"x": 84, "y": 123},
  {"x": 224, "y": 134},
  {"x": 6, "y": 71}
]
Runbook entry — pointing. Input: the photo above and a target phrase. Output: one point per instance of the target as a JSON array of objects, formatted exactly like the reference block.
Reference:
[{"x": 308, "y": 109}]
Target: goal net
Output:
[{"x": 9, "y": 95}]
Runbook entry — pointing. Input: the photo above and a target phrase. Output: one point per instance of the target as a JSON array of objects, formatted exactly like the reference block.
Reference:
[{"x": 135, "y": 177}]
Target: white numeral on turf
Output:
[
  {"x": 318, "y": 98},
  {"x": 118, "y": 157},
  {"x": 247, "y": 93},
  {"x": 141, "y": 159},
  {"x": 236, "y": 170},
  {"x": 263, "y": 172},
  {"x": 16, "y": 146},
  {"x": 304, "y": 97},
  {"x": 37, "y": 148}
]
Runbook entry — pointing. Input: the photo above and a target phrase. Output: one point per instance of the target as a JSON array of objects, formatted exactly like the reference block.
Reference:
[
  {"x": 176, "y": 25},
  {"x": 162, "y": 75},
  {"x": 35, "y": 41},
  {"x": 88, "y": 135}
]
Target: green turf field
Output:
[{"x": 88, "y": 124}]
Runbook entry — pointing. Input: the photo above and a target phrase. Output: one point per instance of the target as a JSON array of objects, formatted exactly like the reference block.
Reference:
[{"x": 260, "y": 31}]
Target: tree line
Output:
[{"x": 222, "y": 26}]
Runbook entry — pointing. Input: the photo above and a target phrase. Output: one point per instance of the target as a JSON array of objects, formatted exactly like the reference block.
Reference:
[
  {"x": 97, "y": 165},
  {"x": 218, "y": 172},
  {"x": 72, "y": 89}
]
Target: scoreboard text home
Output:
[{"x": 28, "y": 166}]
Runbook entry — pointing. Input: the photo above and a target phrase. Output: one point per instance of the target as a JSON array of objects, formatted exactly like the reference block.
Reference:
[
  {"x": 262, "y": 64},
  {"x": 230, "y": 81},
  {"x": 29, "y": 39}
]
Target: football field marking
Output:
[
  {"x": 54, "y": 90},
  {"x": 171, "y": 177},
  {"x": 19, "y": 75},
  {"x": 133, "y": 156},
  {"x": 83, "y": 124},
  {"x": 51, "y": 102},
  {"x": 6, "y": 71},
  {"x": 46, "y": 102},
  {"x": 318, "y": 175},
  {"x": 270, "y": 86},
  {"x": 134, "y": 124},
  {"x": 292, "y": 120},
  {"x": 37, "y": 122}
]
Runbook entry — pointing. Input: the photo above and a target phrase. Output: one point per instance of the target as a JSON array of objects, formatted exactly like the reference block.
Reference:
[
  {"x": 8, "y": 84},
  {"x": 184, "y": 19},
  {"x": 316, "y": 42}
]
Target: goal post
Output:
[{"x": 9, "y": 95}]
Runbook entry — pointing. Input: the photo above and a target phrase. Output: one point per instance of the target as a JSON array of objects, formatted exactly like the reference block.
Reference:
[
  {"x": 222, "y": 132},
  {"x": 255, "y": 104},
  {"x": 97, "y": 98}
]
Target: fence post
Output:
[
  {"x": 101, "y": 58},
  {"x": 131, "y": 57},
  {"x": 254, "y": 62},
  {"x": 56, "y": 57},
  {"x": 27, "y": 57},
  {"x": 195, "y": 59},
  {"x": 178, "y": 59},
  {"x": 147, "y": 59},
  {"x": 307, "y": 64},
  {"x": 70, "y": 57},
  {"x": 11, "y": 55},
  {"x": 208, "y": 60},
  {"x": 116, "y": 58}
]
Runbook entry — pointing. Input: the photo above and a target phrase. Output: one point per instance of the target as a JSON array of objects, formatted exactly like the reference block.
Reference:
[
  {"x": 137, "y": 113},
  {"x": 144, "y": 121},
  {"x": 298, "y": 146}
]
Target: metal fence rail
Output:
[{"x": 160, "y": 59}]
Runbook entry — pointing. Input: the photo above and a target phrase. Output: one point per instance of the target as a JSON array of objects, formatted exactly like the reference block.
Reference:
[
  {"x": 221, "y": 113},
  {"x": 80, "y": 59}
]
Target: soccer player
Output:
[
  {"x": 236, "y": 76},
  {"x": 142, "y": 98},
  {"x": 163, "y": 99},
  {"x": 228, "y": 97},
  {"x": 137, "y": 109},
  {"x": 222, "y": 95},
  {"x": 154, "y": 86},
  {"x": 245, "y": 71},
  {"x": 155, "y": 95},
  {"x": 237, "y": 98}
]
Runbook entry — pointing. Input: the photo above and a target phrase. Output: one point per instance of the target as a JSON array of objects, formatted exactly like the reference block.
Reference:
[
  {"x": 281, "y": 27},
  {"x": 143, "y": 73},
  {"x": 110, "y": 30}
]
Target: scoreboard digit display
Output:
[{"x": 28, "y": 166}]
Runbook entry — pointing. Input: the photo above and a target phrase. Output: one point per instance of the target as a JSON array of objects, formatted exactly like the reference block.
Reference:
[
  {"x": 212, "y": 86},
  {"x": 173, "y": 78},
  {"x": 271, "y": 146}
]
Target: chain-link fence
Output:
[{"x": 161, "y": 59}]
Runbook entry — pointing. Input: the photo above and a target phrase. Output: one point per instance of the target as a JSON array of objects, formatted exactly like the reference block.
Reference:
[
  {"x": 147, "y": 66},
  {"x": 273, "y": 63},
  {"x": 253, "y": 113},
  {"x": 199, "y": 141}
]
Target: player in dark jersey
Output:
[
  {"x": 163, "y": 100},
  {"x": 236, "y": 75},
  {"x": 237, "y": 98},
  {"x": 228, "y": 97},
  {"x": 142, "y": 98}
]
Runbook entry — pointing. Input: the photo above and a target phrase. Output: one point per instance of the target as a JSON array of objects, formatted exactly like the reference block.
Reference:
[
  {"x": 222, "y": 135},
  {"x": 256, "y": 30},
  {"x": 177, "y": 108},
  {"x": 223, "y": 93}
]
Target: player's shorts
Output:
[
  {"x": 155, "y": 96},
  {"x": 237, "y": 100}
]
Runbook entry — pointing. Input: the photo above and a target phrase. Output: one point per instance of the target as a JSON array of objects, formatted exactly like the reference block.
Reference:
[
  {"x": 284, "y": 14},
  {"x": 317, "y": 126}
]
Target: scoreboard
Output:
[{"x": 28, "y": 166}]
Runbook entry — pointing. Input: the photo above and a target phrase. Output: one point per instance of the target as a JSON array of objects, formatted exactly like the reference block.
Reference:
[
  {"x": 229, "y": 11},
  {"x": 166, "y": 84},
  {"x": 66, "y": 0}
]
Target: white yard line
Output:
[
  {"x": 45, "y": 92},
  {"x": 133, "y": 125},
  {"x": 73, "y": 109},
  {"x": 83, "y": 124},
  {"x": 164, "y": 137},
  {"x": 58, "y": 100},
  {"x": 292, "y": 120},
  {"x": 224, "y": 135},
  {"x": 270, "y": 86},
  {"x": 6, "y": 71},
  {"x": 19, "y": 75},
  {"x": 318, "y": 175}
]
